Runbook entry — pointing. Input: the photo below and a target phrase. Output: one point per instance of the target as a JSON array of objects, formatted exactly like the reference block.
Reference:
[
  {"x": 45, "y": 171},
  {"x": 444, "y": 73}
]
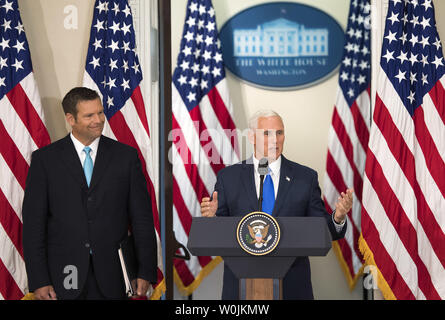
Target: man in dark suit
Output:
[
  {"x": 82, "y": 195},
  {"x": 294, "y": 191}
]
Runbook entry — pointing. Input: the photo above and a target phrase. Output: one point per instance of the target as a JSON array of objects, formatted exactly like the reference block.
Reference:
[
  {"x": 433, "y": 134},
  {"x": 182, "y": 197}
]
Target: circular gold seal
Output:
[{"x": 258, "y": 233}]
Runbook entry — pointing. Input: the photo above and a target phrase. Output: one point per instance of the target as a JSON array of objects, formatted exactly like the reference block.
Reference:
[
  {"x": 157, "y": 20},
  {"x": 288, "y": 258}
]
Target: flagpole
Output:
[{"x": 165, "y": 167}]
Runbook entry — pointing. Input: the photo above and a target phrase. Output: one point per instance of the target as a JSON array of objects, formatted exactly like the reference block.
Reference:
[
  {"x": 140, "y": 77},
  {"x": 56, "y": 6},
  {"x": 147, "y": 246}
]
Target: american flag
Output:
[
  {"x": 22, "y": 130},
  {"x": 403, "y": 215},
  {"x": 349, "y": 134},
  {"x": 204, "y": 134},
  {"x": 113, "y": 70}
]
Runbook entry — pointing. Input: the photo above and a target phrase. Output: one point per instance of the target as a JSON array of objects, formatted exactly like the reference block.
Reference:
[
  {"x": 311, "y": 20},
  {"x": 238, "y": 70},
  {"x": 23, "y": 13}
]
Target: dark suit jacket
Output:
[
  {"x": 299, "y": 196},
  {"x": 63, "y": 218}
]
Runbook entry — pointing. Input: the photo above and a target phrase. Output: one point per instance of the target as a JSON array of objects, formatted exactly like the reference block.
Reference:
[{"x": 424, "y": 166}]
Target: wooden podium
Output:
[{"x": 260, "y": 276}]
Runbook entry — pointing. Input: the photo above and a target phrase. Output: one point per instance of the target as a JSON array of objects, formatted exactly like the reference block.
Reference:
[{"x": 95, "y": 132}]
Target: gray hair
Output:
[{"x": 253, "y": 120}]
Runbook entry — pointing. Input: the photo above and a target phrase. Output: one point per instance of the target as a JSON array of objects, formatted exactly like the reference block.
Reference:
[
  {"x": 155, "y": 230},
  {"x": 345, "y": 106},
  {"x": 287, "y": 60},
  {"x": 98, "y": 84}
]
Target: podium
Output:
[{"x": 260, "y": 276}]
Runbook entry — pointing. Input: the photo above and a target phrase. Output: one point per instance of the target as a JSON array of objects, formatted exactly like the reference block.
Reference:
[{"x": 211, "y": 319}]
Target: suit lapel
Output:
[
  {"x": 72, "y": 161},
  {"x": 248, "y": 180},
  {"x": 102, "y": 160},
  {"x": 284, "y": 186}
]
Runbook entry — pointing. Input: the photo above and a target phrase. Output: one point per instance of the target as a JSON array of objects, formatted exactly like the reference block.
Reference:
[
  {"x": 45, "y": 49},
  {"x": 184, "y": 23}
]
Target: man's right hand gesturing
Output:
[{"x": 209, "y": 207}]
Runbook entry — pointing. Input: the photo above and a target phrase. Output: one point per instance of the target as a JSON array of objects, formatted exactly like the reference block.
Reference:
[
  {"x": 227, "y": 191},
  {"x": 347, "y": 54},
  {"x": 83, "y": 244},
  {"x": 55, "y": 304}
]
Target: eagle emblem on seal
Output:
[{"x": 259, "y": 232}]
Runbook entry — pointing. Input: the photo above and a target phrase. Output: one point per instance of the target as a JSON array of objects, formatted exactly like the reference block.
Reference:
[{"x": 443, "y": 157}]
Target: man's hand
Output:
[
  {"x": 142, "y": 287},
  {"x": 45, "y": 293},
  {"x": 343, "y": 206},
  {"x": 209, "y": 207}
]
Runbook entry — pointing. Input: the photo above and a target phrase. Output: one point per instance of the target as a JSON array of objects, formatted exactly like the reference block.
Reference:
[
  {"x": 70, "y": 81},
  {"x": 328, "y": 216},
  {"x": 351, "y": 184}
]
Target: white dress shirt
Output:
[
  {"x": 79, "y": 149},
  {"x": 274, "y": 172}
]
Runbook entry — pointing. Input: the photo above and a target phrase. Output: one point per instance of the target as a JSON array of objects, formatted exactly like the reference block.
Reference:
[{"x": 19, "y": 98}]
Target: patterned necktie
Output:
[
  {"x": 88, "y": 165},
  {"x": 268, "y": 195}
]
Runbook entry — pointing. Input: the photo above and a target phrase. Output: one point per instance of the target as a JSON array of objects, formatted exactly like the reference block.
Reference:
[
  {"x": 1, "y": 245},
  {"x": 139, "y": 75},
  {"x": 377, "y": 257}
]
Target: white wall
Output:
[{"x": 58, "y": 54}]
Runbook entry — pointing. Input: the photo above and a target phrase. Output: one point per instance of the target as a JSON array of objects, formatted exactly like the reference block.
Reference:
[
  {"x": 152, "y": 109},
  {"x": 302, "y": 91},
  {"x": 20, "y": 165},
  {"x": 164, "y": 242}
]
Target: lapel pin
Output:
[{"x": 287, "y": 178}]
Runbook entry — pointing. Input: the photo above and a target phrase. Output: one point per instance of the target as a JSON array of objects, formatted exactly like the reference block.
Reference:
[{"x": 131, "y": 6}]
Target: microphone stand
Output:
[
  {"x": 262, "y": 170},
  {"x": 260, "y": 199}
]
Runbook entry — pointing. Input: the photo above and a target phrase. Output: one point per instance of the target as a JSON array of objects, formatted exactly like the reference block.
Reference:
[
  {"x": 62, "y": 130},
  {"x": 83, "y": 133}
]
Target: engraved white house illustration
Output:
[{"x": 281, "y": 38}]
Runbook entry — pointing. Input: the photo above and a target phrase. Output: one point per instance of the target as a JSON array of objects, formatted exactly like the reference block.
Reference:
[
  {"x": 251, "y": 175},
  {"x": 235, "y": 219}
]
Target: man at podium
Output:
[{"x": 289, "y": 189}]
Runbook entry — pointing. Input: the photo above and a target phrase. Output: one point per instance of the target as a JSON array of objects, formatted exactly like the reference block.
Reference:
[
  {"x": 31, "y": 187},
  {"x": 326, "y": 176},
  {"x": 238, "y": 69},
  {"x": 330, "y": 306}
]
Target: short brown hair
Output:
[{"x": 76, "y": 95}]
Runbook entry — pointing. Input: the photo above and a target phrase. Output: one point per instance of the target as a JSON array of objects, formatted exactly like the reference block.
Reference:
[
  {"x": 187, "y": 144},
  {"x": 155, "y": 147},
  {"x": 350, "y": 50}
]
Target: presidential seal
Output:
[{"x": 258, "y": 233}]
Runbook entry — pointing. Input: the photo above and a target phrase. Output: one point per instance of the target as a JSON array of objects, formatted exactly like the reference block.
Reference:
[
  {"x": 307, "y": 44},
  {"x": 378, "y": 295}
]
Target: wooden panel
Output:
[{"x": 261, "y": 289}]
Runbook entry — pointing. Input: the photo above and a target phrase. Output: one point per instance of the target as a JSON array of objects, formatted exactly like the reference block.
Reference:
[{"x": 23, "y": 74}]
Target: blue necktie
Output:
[
  {"x": 88, "y": 165},
  {"x": 268, "y": 195}
]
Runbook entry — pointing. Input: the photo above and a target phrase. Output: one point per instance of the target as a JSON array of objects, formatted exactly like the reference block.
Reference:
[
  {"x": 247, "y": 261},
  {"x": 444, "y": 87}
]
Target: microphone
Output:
[
  {"x": 262, "y": 167},
  {"x": 262, "y": 171}
]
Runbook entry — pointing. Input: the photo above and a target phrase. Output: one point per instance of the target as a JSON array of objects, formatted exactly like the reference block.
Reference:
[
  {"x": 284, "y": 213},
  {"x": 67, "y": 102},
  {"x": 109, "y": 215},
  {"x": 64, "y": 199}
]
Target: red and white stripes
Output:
[
  {"x": 348, "y": 138},
  {"x": 22, "y": 130},
  {"x": 403, "y": 219},
  {"x": 204, "y": 141}
]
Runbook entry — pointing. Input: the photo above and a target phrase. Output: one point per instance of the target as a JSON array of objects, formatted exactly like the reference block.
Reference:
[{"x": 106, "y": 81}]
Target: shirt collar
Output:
[
  {"x": 274, "y": 166},
  {"x": 79, "y": 145}
]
